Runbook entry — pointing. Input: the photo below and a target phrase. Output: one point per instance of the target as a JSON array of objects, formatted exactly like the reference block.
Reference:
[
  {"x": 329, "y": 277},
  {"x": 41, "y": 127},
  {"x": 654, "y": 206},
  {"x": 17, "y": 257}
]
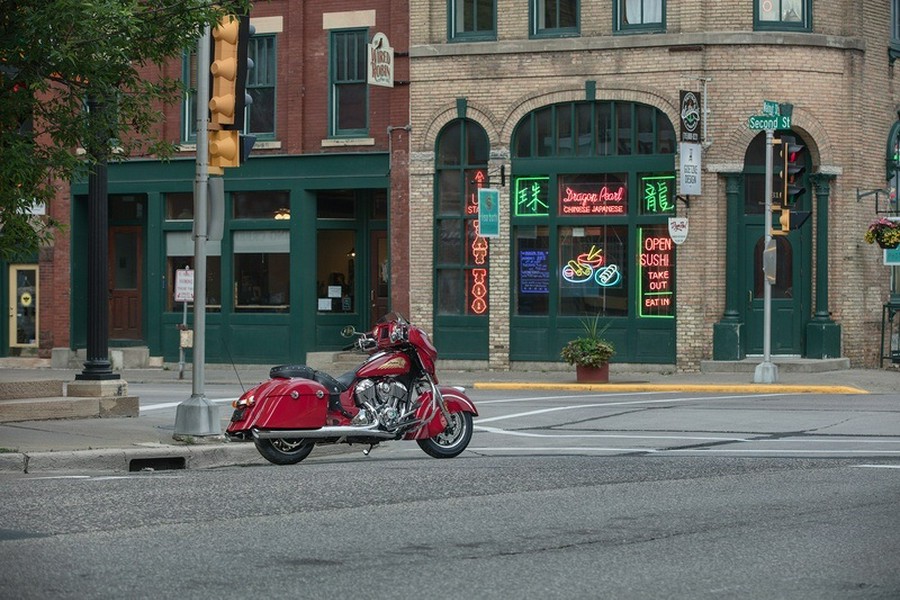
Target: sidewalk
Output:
[{"x": 145, "y": 442}]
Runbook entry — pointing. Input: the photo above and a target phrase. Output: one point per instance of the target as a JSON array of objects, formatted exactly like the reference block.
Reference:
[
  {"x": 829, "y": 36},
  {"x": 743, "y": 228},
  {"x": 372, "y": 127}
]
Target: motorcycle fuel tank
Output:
[{"x": 385, "y": 363}]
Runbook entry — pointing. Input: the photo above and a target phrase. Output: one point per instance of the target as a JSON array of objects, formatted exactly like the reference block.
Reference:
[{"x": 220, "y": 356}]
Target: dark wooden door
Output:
[{"x": 125, "y": 260}]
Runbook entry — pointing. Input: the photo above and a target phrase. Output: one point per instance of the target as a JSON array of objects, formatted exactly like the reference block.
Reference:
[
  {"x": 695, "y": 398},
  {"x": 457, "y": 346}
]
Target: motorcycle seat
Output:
[{"x": 333, "y": 385}]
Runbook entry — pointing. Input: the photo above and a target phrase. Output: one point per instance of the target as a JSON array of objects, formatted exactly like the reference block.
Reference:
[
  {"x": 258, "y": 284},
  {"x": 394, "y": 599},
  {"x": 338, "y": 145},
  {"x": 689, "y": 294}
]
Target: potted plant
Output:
[
  {"x": 590, "y": 353},
  {"x": 883, "y": 231}
]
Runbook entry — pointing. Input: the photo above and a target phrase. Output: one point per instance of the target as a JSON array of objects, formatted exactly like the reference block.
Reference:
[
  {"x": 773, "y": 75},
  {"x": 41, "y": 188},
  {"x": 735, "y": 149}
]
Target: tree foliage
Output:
[{"x": 55, "y": 55}]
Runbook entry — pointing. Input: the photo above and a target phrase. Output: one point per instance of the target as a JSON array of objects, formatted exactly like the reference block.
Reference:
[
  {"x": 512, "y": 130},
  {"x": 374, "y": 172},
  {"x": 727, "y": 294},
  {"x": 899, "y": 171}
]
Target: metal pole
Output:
[
  {"x": 97, "y": 366},
  {"x": 766, "y": 371},
  {"x": 197, "y": 416}
]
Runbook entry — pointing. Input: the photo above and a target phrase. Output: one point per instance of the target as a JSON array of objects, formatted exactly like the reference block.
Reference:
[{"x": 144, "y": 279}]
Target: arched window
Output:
[
  {"x": 594, "y": 129},
  {"x": 461, "y": 254}
]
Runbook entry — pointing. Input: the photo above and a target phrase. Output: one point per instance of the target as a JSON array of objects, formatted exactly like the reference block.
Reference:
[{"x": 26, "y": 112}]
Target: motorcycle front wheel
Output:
[
  {"x": 280, "y": 451},
  {"x": 453, "y": 440}
]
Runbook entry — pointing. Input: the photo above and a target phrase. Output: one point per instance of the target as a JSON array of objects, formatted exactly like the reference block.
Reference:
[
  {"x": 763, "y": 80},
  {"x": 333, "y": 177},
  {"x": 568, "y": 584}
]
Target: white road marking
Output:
[
  {"x": 165, "y": 405},
  {"x": 499, "y": 431}
]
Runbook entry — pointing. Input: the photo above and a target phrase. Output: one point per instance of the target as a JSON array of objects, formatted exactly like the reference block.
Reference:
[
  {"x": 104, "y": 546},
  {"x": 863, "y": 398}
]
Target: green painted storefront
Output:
[{"x": 323, "y": 203}]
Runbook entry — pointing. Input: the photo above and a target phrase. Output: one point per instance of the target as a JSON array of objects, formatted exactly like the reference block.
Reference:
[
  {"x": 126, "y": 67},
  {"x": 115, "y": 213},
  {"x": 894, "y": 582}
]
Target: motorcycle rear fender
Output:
[
  {"x": 282, "y": 404},
  {"x": 455, "y": 401}
]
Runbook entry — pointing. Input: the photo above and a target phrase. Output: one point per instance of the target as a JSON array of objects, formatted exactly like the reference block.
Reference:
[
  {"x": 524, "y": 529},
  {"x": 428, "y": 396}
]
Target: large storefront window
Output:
[
  {"x": 590, "y": 233},
  {"x": 180, "y": 255},
  {"x": 262, "y": 266},
  {"x": 593, "y": 270}
]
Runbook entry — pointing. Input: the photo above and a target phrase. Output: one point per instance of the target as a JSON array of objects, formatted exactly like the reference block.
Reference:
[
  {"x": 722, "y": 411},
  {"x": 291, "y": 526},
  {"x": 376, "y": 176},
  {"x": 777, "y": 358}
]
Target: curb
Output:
[
  {"x": 125, "y": 460},
  {"x": 763, "y": 388}
]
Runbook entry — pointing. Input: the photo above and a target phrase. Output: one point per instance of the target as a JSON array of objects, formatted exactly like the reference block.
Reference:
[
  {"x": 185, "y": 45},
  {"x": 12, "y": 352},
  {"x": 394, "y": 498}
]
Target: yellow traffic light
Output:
[
  {"x": 224, "y": 70},
  {"x": 223, "y": 150}
]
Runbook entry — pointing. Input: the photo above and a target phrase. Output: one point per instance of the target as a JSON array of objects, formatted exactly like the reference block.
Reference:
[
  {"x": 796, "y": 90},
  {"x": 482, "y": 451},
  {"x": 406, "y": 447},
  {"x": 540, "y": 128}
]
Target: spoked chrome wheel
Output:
[
  {"x": 453, "y": 440},
  {"x": 283, "y": 452}
]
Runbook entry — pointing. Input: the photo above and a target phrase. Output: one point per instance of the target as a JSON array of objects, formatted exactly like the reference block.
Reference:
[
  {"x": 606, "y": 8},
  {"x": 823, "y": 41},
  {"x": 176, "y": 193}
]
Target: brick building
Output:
[
  {"x": 314, "y": 221},
  {"x": 572, "y": 110}
]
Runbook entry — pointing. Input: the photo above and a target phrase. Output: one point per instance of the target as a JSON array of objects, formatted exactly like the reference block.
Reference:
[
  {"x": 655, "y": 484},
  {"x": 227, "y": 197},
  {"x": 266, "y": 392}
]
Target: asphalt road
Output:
[{"x": 559, "y": 496}]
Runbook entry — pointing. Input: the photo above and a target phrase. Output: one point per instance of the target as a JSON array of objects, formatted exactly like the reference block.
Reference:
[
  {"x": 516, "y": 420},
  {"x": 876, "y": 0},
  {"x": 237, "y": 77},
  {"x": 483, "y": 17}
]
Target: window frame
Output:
[
  {"x": 804, "y": 25},
  {"x": 476, "y": 35},
  {"x": 334, "y": 36},
  {"x": 473, "y": 273},
  {"x": 620, "y": 27},
  {"x": 189, "y": 102},
  {"x": 271, "y": 83},
  {"x": 894, "y": 43},
  {"x": 544, "y": 32}
]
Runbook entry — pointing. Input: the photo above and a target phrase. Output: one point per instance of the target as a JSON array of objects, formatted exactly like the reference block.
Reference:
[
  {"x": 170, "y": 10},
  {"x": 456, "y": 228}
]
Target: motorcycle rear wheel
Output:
[
  {"x": 280, "y": 451},
  {"x": 453, "y": 440}
]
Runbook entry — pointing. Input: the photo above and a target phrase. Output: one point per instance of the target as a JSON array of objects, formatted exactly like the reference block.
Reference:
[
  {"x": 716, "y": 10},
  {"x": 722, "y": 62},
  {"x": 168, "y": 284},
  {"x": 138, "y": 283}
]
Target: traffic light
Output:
[
  {"x": 793, "y": 170},
  {"x": 224, "y": 70},
  {"x": 791, "y": 219},
  {"x": 244, "y": 64},
  {"x": 777, "y": 172},
  {"x": 223, "y": 150}
]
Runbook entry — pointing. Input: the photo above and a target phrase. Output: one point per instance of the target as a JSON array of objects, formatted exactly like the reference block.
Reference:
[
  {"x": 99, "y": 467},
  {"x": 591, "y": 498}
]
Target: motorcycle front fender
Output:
[
  {"x": 281, "y": 404},
  {"x": 430, "y": 413}
]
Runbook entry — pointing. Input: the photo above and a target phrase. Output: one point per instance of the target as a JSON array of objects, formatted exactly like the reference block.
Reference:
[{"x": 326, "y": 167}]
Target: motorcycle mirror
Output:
[{"x": 348, "y": 331}]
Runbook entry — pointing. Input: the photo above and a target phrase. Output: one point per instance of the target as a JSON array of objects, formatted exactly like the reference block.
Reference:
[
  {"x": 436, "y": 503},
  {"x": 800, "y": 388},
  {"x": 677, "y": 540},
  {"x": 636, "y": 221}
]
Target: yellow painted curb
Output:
[{"x": 763, "y": 388}]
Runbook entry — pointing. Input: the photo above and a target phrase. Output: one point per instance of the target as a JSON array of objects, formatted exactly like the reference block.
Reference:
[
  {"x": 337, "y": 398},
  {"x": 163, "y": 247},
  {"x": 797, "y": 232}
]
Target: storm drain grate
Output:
[{"x": 168, "y": 463}]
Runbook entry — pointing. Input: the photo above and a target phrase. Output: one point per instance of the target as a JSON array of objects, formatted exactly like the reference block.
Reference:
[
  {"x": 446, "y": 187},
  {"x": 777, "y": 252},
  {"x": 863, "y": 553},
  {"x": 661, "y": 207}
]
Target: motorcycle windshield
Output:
[{"x": 393, "y": 317}]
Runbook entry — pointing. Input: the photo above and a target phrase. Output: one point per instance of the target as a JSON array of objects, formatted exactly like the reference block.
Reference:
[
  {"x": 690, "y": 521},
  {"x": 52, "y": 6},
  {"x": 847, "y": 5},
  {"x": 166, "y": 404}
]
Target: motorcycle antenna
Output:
[{"x": 233, "y": 366}]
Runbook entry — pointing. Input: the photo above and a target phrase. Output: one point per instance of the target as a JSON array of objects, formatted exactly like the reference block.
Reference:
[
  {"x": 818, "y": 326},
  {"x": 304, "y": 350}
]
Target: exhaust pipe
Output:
[{"x": 325, "y": 432}]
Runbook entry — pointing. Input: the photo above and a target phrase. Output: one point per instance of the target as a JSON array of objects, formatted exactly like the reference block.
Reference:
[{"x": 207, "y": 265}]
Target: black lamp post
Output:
[{"x": 97, "y": 366}]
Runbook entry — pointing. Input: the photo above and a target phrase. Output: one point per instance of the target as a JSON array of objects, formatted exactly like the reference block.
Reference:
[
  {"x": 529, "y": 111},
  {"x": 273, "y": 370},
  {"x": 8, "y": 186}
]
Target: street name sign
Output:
[
  {"x": 770, "y": 108},
  {"x": 758, "y": 122}
]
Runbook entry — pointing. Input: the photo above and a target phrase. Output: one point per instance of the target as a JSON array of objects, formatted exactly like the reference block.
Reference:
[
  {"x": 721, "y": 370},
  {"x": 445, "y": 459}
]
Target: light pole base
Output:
[
  {"x": 766, "y": 372},
  {"x": 197, "y": 416}
]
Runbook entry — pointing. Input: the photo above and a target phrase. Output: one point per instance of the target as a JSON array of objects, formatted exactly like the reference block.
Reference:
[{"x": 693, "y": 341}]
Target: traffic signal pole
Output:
[
  {"x": 767, "y": 371},
  {"x": 197, "y": 416}
]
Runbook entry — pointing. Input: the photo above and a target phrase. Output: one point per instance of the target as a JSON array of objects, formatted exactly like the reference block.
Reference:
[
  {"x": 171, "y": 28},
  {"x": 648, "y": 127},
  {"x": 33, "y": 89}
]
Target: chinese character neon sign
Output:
[
  {"x": 590, "y": 266},
  {"x": 656, "y": 197},
  {"x": 531, "y": 196}
]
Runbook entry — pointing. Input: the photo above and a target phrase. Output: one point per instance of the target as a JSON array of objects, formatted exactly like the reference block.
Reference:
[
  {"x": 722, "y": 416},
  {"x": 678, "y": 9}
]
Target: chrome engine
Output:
[{"x": 384, "y": 400}]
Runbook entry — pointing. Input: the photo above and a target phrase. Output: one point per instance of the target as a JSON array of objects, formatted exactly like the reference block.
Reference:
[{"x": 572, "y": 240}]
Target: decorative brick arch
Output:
[
  {"x": 813, "y": 133},
  {"x": 531, "y": 102},
  {"x": 447, "y": 113}
]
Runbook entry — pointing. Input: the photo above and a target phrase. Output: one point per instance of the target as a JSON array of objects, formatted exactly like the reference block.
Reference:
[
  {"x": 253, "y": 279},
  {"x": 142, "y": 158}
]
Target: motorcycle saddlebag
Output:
[{"x": 287, "y": 404}]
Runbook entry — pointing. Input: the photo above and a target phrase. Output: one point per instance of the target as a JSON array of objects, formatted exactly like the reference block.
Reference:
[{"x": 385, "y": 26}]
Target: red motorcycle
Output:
[{"x": 393, "y": 395}]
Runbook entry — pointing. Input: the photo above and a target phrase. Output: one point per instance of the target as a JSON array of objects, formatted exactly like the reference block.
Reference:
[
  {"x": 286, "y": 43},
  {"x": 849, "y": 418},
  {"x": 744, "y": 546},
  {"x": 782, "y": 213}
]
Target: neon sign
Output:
[
  {"x": 531, "y": 196},
  {"x": 478, "y": 291},
  {"x": 656, "y": 296},
  {"x": 534, "y": 272},
  {"x": 657, "y": 192},
  {"x": 477, "y": 252},
  {"x": 590, "y": 266},
  {"x": 592, "y": 199}
]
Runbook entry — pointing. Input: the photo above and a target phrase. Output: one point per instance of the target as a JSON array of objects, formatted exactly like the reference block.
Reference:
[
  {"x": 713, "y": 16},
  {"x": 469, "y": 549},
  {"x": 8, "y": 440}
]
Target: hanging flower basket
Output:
[{"x": 884, "y": 232}]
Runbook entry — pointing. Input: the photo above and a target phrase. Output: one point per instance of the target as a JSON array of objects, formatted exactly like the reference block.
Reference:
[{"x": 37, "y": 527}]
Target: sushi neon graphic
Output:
[{"x": 591, "y": 266}]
